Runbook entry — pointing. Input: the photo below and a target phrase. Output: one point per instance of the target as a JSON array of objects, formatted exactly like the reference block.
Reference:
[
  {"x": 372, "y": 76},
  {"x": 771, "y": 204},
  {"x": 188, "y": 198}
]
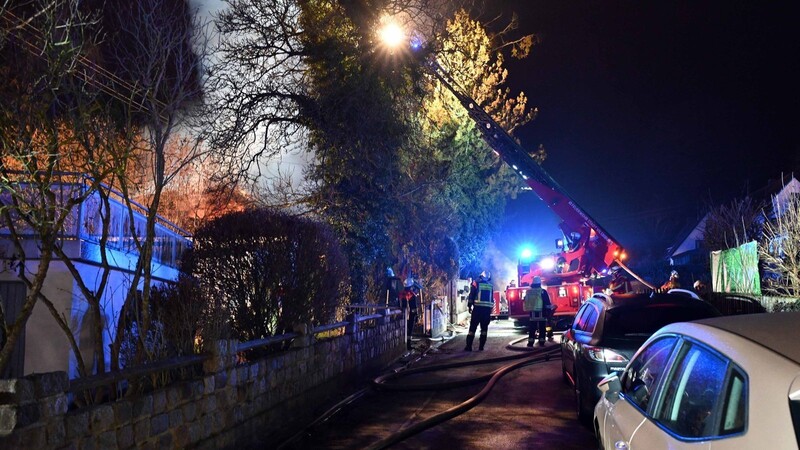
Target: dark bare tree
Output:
[
  {"x": 314, "y": 75},
  {"x": 160, "y": 46},
  {"x": 733, "y": 224},
  {"x": 779, "y": 248},
  {"x": 53, "y": 138}
]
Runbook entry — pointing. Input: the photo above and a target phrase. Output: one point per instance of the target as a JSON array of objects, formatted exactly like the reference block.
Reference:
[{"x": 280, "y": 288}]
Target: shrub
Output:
[
  {"x": 267, "y": 271},
  {"x": 786, "y": 306}
]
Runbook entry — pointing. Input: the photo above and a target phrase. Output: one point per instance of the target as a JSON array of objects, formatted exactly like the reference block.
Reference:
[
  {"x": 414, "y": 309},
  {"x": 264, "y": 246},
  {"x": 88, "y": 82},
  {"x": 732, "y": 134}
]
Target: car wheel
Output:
[{"x": 583, "y": 415}]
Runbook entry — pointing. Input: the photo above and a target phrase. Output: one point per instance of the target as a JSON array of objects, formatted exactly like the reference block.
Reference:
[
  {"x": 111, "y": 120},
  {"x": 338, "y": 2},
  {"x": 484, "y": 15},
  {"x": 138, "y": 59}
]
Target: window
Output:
[
  {"x": 591, "y": 319},
  {"x": 695, "y": 389},
  {"x": 641, "y": 378},
  {"x": 12, "y": 298},
  {"x": 586, "y": 320},
  {"x": 578, "y": 317},
  {"x": 573, "y": 265},
  {"x": 733, "y": 413}
]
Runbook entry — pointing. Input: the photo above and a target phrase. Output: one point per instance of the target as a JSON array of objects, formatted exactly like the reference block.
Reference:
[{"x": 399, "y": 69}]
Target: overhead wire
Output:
[{"x": 14, "y": 22}]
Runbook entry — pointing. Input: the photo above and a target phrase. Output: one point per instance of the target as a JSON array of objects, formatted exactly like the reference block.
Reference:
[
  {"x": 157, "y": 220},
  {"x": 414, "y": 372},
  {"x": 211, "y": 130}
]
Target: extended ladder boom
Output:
[{"x": 592, "y": 249}]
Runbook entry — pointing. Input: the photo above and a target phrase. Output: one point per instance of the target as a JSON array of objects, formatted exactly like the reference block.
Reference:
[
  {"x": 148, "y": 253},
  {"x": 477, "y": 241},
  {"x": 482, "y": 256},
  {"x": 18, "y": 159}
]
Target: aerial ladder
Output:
[{"x": 587, "y": 250}]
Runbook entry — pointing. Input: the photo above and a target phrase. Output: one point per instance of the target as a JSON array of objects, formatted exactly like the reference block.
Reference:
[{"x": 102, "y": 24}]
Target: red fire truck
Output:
[
  {"x": 566, "y": 290},
  {"x": 586, "y": 251}
]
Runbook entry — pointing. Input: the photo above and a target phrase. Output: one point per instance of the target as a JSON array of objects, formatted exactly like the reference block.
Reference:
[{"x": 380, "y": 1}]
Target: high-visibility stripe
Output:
[{"x": 484, "y": 299}]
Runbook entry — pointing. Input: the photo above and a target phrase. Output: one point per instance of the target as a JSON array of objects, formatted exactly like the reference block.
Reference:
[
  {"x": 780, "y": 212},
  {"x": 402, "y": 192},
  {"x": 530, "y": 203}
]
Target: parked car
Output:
[
  {"x": 608, "y": 330},
  {"x": 730, "y": 382}
]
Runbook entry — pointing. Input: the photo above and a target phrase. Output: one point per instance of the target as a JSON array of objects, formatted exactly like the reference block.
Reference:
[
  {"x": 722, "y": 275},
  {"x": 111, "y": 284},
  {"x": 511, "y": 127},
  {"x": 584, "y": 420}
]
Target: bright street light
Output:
[{"x": 392, "y": 34}]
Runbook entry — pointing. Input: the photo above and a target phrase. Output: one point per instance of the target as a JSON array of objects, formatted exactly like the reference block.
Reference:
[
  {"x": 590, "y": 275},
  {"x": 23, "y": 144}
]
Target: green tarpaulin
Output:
[{"x": 736, "y": 270}]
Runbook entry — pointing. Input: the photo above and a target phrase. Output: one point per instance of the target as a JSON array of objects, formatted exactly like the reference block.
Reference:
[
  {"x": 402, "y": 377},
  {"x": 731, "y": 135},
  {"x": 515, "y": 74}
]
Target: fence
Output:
[
  {"x": 231, "y": 400},
  {"x": 729, "y": 303},
  {"x": 734, "y": 304}
]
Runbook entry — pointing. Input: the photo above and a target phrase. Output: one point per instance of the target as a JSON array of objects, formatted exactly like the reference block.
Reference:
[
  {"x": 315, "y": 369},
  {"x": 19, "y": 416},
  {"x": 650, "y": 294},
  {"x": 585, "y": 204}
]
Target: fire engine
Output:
[
  {"x": 586, "y": 251},
  {"x": 567, "y": 291}
]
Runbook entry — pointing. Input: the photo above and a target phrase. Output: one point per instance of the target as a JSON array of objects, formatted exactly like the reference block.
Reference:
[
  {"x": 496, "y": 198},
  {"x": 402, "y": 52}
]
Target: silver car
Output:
[{"x": 723, "y": 383}]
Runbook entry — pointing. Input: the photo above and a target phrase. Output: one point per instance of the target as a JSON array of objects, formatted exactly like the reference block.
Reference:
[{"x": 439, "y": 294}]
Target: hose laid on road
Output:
[
  {"x": 538, "y": 355},
  {"x": 337, "y": 407},
  {"x": 513, "y": 347},
  {"x": 380, "y": 382}
]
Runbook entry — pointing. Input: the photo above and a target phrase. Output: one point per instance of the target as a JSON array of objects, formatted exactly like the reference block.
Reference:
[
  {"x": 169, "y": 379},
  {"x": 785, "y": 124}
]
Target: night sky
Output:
[{"x": 650, "y": 110}]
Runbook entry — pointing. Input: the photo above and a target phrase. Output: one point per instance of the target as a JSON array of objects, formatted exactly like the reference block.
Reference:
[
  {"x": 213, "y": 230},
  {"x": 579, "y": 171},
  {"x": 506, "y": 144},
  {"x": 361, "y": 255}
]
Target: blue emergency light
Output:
[{"x": 526, "y": 254}]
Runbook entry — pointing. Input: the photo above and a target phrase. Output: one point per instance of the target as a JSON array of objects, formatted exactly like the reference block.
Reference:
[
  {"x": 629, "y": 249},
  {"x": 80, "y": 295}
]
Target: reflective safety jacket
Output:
[
  {"x": 536, "y": 299},
  {"x": 480, "y": 295}
]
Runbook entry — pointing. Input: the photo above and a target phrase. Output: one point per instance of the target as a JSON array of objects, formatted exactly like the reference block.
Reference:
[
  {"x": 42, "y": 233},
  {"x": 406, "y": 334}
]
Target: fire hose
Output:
[
  {"x": 536, "y": 356},
  {"x": 336, "y": 408},
  {"x": 532, "y": 356}
]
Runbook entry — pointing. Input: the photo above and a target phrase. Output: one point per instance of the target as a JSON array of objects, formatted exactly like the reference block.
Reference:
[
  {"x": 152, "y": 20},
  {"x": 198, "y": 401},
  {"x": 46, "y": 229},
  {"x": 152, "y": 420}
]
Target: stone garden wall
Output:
[{"x": 233, "y": 404}]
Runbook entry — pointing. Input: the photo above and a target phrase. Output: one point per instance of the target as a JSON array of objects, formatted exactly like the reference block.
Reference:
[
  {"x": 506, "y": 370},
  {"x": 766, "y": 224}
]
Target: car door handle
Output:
[{"x": 621, "y": 445}]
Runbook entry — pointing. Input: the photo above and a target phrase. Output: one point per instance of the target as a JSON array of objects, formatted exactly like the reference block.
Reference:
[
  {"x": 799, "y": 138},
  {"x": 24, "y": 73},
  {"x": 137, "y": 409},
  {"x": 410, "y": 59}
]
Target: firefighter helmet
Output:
[
  {"x": 537, "y": 281},
  {"x": 409, "y": 282},
  {"x": 486, "y": 275},
  {"x": 674, "y": 274}
]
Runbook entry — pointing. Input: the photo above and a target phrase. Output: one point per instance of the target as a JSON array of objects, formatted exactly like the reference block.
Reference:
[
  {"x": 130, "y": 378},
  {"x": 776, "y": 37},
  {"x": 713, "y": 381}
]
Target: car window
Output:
[
  {"x": 734, "y": 410},
  {"x": 586, "y": 319},
  {"x": 641, "y": 377},
  {"x": 694, "y": 390},
  {"x": 647, "y": 319},
  {"x": 577, "y": 322},
  {"x": 591, "y": 319}
]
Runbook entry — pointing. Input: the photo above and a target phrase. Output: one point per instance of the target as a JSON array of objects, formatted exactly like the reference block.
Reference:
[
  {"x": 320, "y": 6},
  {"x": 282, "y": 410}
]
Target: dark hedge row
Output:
[{"x": 265, "y": 271}]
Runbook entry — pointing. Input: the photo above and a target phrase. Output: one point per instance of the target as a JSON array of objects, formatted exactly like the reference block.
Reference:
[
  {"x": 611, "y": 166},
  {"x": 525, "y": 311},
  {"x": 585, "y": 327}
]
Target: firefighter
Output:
[
  {"x": 672, "y": 283},
  {"x": 537, "y": 303},
  {"x": 409, "y": 298},
  {"x": 619, "y": 283},
  {"x": 700, "y": 288},
  {"x": 480, "y": 303},
  {"x": 393, "y": 288}
]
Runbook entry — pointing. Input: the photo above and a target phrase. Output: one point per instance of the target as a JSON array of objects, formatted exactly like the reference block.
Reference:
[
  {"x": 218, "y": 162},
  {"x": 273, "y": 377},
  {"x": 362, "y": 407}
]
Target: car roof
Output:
[
  {"x": 779, "y": 332},
  {"x": 642, "y": 299}
]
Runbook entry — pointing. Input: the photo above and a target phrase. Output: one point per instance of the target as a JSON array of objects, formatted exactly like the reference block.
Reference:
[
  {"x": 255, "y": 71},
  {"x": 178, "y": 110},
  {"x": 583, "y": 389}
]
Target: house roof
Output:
[
  {"x": 684, "y": 234},
  {"x": 773, "y": 187}
]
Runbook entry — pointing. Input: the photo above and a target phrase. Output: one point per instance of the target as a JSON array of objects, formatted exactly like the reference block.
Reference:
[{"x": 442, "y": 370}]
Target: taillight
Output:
[{"x": 601, "y": 354}]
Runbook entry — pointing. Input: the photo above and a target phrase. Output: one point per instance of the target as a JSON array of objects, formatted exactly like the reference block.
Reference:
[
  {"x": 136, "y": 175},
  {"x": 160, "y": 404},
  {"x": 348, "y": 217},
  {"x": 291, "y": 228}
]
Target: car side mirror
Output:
[{"x": 610, "y": 387}]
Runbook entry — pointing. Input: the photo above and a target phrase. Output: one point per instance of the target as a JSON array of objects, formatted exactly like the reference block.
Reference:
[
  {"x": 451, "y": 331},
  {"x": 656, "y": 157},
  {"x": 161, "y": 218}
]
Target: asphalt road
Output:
[{"x": 530, "y": 407}]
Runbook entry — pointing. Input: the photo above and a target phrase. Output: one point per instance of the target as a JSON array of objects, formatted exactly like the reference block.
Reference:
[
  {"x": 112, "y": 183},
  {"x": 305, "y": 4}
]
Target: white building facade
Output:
[{"x": 44, "y": 346}]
